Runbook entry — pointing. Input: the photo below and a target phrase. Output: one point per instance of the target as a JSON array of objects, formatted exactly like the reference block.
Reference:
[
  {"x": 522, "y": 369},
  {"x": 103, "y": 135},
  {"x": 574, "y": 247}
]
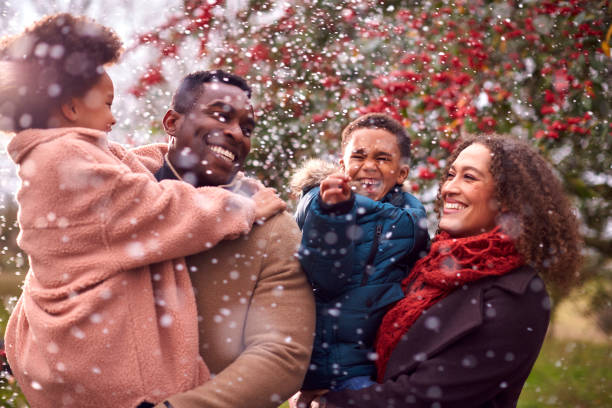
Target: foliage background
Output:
[{"x": 537, "y": 69}]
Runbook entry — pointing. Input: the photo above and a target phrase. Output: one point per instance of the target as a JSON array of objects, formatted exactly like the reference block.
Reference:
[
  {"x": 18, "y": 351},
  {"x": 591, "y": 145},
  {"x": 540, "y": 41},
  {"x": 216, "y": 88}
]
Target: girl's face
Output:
[
  {"x": 468, "y": 194},
  {"x": 93, "y": 110}
]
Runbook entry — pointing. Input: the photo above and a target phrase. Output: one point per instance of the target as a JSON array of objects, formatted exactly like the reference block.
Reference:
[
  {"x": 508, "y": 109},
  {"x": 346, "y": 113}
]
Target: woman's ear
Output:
[{"x": 69, "y": 111}]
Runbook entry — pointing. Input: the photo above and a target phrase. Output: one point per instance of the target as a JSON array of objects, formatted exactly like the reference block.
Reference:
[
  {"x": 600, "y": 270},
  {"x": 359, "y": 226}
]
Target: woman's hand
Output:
[
  {"x": 335, "y": 188},
  {"x": 318, "y": 403},
  {"x": 306, "y": 399},
  {"x": 267, "y": 203}
]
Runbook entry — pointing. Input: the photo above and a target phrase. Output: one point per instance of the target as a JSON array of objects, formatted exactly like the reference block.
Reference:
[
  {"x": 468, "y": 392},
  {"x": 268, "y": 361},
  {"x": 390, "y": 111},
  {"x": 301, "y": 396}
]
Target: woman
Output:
[{"x": 475, "y": 313}]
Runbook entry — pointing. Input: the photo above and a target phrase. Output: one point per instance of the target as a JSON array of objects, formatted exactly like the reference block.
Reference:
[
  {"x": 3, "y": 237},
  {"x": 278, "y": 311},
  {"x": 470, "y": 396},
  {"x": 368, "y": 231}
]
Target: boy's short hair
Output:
[
  {"x": 57, "y": 58},
  {"x": 189, "y": 90},
  {"x": 379, "y": 121}
]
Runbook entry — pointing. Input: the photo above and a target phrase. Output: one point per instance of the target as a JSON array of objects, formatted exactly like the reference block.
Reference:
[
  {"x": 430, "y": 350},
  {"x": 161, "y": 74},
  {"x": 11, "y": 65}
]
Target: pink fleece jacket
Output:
[{"x": 106, "y": 319}]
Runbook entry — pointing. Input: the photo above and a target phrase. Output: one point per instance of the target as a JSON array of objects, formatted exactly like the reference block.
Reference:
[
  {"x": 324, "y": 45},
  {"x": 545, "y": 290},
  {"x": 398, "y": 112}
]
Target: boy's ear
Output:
[
  {"x": 403, "y": 174},
  {"x": 171, "y": 122},
  {"x": 341, "y": 163},
  {"x": 69, "y": 110}
]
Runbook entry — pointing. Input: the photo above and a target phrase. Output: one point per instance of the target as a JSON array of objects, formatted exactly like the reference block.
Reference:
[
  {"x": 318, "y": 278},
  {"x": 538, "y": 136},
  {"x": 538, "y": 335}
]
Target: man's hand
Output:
[
  {"x": 267, "y": 203},
  {"x": 303, "y": 399},
  {"x": 335, "y": 189}
]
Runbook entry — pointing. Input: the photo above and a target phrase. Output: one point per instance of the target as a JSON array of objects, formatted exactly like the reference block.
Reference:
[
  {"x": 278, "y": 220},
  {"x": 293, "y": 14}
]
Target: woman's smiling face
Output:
[{"x": 468, "y": 194}]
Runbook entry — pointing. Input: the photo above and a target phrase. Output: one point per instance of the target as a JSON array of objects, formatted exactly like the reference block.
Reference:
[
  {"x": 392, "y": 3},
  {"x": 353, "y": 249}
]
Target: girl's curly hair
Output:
[
  {"x": 535, "y": 210},
  {"x": 58, "y": 57}
]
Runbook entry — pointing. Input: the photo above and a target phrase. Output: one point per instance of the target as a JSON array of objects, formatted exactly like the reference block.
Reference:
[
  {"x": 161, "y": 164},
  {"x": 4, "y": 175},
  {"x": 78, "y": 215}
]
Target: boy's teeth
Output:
[
  {"x": 369, "y": 182},
  {"x": 223, "y": 152}
]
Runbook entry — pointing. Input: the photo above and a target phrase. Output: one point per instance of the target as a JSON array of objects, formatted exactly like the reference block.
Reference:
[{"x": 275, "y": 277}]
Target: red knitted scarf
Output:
[{"x": 450, "y": 264}]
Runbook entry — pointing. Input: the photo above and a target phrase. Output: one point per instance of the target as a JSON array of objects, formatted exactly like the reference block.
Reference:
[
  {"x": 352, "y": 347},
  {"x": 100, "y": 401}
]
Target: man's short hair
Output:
[
  {"x": 379, "y": 121},
  {"x": 189, "y": 90}
]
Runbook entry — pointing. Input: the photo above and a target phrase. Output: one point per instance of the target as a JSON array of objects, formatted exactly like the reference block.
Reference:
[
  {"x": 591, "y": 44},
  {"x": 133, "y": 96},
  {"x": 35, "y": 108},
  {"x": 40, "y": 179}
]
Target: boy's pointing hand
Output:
[{"x": 335, "y": 189}]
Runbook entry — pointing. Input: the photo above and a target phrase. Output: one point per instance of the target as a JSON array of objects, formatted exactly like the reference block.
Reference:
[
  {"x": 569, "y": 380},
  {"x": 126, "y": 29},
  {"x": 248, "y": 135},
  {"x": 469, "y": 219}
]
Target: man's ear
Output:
[
  {"x": 403, "y": 173},
  {"x": 69, "y": 110},
  {"x": 171, "y": 122}
]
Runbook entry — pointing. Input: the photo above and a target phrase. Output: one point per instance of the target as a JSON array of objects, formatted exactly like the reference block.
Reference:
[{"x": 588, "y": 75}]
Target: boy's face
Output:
[
  {"x": 373, "y": 161},
  {"x": 94, "y": 108}
]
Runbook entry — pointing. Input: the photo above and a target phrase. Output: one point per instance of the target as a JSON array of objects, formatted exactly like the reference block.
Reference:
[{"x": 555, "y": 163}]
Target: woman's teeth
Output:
[{"x": 454, "y": 206}]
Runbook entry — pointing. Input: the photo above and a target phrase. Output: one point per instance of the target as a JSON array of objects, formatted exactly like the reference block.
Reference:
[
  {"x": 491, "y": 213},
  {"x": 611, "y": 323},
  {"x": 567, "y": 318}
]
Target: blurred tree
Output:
[
  {"x": 537, "y": 69},
  {"x": 13, "y": 262},
  {"x": 13, "y": 266}
]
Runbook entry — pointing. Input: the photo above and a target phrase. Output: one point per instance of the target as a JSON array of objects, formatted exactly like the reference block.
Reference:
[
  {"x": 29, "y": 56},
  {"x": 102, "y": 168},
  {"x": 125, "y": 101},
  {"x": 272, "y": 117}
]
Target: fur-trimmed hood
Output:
[{"x": 310, "y": 174}]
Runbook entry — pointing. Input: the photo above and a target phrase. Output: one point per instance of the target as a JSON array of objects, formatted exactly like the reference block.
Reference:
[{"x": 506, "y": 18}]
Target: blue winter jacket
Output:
[{"x": 355, "y": 255}]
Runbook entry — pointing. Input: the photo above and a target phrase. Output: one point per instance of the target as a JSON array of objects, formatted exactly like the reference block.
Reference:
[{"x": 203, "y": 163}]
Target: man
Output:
[{"x": 255, "y": 307}]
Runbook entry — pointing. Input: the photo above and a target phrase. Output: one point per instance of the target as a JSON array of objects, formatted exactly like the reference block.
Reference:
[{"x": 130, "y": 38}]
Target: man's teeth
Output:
[
  {"x": 454, "y": 206},
  {"x": 223, "y": 152}
]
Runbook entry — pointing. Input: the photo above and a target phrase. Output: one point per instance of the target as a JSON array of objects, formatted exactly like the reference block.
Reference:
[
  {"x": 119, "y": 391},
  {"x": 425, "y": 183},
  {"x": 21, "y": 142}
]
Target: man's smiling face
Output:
[{"x": 211, "y": 141}]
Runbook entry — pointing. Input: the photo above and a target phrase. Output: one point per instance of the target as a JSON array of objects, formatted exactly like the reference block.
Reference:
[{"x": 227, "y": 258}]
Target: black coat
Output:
[{"x": 474, "y": 348}]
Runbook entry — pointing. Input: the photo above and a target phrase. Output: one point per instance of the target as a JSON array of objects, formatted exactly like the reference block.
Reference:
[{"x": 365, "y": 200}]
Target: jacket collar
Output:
[
  {"x": 516, "y": 281},
  {"x": 165, "y": 172},
  {"x": 450, "y": 319}
]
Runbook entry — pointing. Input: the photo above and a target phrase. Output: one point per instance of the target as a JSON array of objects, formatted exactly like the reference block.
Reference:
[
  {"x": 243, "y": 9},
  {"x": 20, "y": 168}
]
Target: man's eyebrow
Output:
[
  {"x": 359, "y": 151},
  {"x": 220, "y": 104}
]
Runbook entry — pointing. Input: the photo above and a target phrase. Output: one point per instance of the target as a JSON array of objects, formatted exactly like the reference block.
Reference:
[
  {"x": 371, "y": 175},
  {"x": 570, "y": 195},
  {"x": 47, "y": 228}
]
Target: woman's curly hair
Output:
[
  {"x": 58, "y": 57},
  {"x": 535, "y": 210}
]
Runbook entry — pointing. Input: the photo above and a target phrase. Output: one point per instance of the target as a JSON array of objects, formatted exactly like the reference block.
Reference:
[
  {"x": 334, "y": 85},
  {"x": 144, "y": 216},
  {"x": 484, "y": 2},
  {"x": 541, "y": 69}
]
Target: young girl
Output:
[{"x": 107, "y": 316}]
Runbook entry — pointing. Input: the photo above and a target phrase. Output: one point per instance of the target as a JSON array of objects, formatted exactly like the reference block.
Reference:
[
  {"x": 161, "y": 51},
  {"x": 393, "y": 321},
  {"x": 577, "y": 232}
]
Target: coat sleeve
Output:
[
  {"x": 335, "y": 247},
  {"x": 493, "y": 359},
  {"x": 153, "y": 222},
  {"x": 278, "y": 334},
  {"x": 127, "y": 217}
]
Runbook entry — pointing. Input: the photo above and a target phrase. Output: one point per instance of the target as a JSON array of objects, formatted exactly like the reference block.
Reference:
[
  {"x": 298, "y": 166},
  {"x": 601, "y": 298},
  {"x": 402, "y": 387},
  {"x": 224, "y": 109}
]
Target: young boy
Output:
[
  {"x": 361, "y": 233},
  {"x": 107, "y": 317}
]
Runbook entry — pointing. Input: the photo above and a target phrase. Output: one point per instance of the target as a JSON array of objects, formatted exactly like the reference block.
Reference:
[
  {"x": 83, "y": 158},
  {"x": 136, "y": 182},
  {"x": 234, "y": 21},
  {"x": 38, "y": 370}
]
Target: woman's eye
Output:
[
  {"x": 470, "y": 177},
  {"x": 450, "y": 175}
]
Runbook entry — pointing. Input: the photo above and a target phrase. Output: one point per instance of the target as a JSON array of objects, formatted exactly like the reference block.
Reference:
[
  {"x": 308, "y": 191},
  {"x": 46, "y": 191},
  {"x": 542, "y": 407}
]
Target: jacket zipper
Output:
[{"x": 370, "y": 263}]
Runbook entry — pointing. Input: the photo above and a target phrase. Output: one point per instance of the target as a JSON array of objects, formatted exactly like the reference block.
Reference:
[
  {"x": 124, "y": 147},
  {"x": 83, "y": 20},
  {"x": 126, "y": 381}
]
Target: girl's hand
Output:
[{"x": 267, "y": 204}]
